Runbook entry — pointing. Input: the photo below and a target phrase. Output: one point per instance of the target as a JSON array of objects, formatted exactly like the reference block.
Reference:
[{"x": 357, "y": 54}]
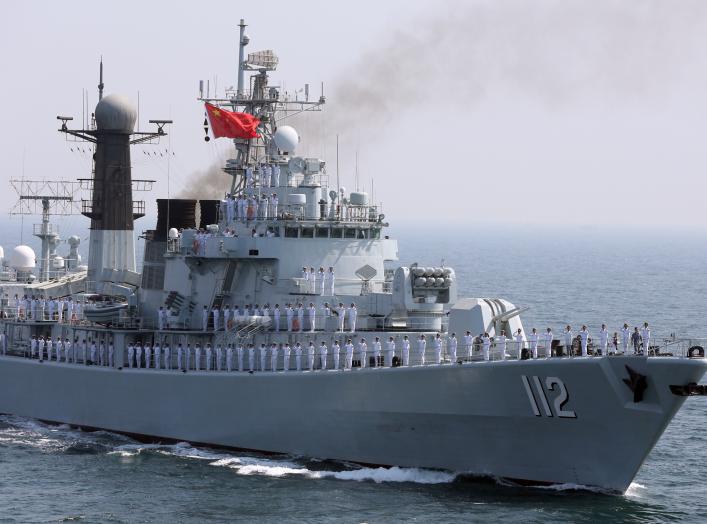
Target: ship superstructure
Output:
[{"x": 279, "y": 323}]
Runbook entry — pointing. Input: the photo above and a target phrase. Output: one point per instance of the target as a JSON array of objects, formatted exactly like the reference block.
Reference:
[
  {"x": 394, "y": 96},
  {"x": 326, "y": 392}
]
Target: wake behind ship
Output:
[{"x": 280, "y": 323}]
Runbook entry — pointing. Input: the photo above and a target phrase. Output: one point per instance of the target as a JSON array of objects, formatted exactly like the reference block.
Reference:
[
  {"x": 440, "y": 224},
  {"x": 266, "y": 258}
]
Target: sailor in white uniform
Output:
[
  {"x": 323, "y": 353},
  {"x": 584, "y": 340},
  {"x": 290, "y": 313},
  {"x": 180, "y": 355},
  {"x": 274, "y": 201},
  {"x": 275, "y": 177},
  {"x": 111, "y": 353},
  {"x": 197, "y": 357},
  {"x": 300, "y": 316},
  {"x": 157, "y": 353},
  {"x": 263, "y": 357},
  {"x": 604, "y": 340},
  {"x": 533, "y": 339},
  {"x": 209, "y": 353},
  {"x": 486, "y": 345},
  {"x": 305, "y": 277},
  {"x": 298, "y": 356},
  {"x": 33, "y": 346},
  {"x": 84, "y": 350},
  {"x": 167, "y": 356},
  {"x": 363, "y": 352},
  {"x": 330, "y": 280},
  {"x": 389, "y": 352},
  {"x": 625, "y": 338},
  {"x": 421, "y": 347},
  {"x": 500, "y": 341},
  {"x": 160, "y": 319},
  {"x": 240, "y": 351},
  {"x": 276, "y": 317},
  {"x": 312, "y": 281},
  {"x": 452, "y": 346},
  {"x": 438, "y": 349},
  {"x": 468, "y": 344},
  {"x": 148, "y": 356},
  {"x": 218, "y": 353},
  {"x": 102, "y": 353},
  {"x": 68, "y": 351},
  {"x": 569, "y": 337},
  {"x": 312, "y": 317},
  {"x": 226, "y": 316},
  {"x": 548, "y": 343},
  {"x": 251, "y": 357},
  {"x": 216, "y": 316},
  {"x": 286, "y": 350},
  {"x": 49, "y": 345},
  {"x": 321, "y": 275},
  {"x": 376, "y": 352},
  {"x": 310, "y": 356},
  {"x": 349, "y": 347},
  {"x": 205, "y": 318},
  {"x": 131, "y": 355},
  {"x": 406, "y": 351},
  {"x": 336, "y": 351},
  {"x": 341, "y": 312},
  {"x": 646, "y": 338},
  {"x": 274, "y": 353},
  {"x": 353, "y": 314},
  {"x": 138, "y": 355}
]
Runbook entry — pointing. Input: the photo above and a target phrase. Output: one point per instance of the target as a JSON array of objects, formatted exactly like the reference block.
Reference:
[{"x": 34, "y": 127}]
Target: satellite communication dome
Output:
[
  {"x": 173, "y": 233},
  {"x": 115, "y": 113},
  {"x": 74, "y": 240},
  {"x": 286, "y": 139},
  {"x": 23, "y": 258},
  {"x": 58, "y": 262}
]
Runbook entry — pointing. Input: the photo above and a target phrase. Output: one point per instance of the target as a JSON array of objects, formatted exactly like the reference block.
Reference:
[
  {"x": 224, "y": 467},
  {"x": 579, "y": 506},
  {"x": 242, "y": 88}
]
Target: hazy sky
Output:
[{"x": 532, "y": 112}]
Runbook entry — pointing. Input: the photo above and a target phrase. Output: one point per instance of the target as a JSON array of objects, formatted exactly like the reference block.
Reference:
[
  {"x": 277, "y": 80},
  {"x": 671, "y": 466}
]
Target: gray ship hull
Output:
[{"x": 486, "y": 418}]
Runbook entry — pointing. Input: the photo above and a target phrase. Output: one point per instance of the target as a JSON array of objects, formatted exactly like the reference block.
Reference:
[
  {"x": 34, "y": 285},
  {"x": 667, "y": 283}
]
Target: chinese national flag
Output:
[{"x": 231, "y": 125}]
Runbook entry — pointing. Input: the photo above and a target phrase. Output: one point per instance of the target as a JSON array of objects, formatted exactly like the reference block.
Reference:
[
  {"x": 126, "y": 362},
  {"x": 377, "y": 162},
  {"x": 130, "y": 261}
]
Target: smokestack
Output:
[
  {"x": 179, "y": 213},
  {"x": 111, "y": 243}
]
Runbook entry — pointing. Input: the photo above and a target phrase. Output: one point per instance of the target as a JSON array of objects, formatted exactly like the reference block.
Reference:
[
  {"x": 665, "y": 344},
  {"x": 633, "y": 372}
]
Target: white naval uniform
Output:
[
  {"x": 468, "y": 344},
  {"x": 421, "y": 347},
  {"x": 167, "y": 357},
  {"x": 389, "y": 353},
  {"x": 349, "y": 356},
  {"x": 438, "y": 350},
  {"x": 342, "y": 316},
  {"x": 312, "y": 318},
  {"x": 217, "y": 315},
  {"x": 336, "y": 351},
  {"x": 305, "y": 276},
  {"x": 286, "y": 350},
  {"x": 187, "y": 357},
  {"x": 290, "y": 314},
  {"x": 131, "y": 355},
  {"x": 584, "y": 339},
  {"x": 160, "y": 325},
  {"x": 240, "y": 351},
  {"x": 229, "y": 358},
  {"x": 205, "y": 318},
  {"x": 353, "y": 314},
  {"x": 625, "y": 339},
  {"x": 330, "y": 280},
  {"x": 111, "y": 353},
  {"x": 101, "y": 354},
  {"x": 300, "y": 318},
  {"x": 276, "y": 318},
  {"x": 486, "y": 345},
  {"x": 548, "y": 344},
  {"x": 251, "y": 358},
  {"x": 310, "y": 356},
  {"x": 376, "y": 353},
  {"x": 363, "y": 351},
  {"x": 519, "y": 344},
  {"x": 148, "y": 356},
  {"x": 49, "y": 344},
  {"x": 604, "y": 341},
  {"x": 298, "y": 357},
  {"x": 180, "y": 351},
  {"x": 197, "y": 358},
  {"x": 501, "y": 345},
  {"x": 568, "y": 341},
  {"x": 263, "y": 357},
  {"x": 452, "y": 345},
  {"x": 646, "y": 338},
  {"x": 321, "y": 276},
  {"x": 33, "y": 347},
  {"x": 323, "y": 352},
  {"x": 158, "y": 356},
  {"x": 533, "y": 341},
  {"x": 138, "y": 356},
  {"x": 219, "y": 357},
  {"x": 273, "y": 357},
  {"x": 406, "y": 352},
  {"x": 209, "y": 356}
]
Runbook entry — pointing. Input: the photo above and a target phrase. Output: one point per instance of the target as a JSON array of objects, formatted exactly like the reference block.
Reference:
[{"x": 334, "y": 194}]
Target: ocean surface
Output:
[{"x": 583, "y": 275}]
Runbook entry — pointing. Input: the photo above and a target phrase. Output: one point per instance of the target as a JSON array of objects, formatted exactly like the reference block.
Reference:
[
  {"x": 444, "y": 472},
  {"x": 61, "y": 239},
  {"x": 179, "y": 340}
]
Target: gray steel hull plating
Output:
[{"x": 477, "y": 418}]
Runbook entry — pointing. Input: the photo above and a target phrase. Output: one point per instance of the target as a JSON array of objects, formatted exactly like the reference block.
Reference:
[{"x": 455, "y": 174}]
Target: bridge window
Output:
[
  {"x": 349, "y": 233},
  {"x": 307, "y": 232},
  {"x": 291, "y": 232},
  {"x": 322, "y": 232},
  {"x": 336, "y": 232}
]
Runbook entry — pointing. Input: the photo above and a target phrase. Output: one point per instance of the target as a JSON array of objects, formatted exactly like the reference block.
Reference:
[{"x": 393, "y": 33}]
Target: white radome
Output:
[
  {"x": 23, "y": 258},
  {"x": 286, "y": 139},
  {"x": 173, "y": 233}
]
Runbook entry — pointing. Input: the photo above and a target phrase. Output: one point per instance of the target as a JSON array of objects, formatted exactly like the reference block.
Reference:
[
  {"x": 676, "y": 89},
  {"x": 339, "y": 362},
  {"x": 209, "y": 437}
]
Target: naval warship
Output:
[{"x": 273, "y": 318}]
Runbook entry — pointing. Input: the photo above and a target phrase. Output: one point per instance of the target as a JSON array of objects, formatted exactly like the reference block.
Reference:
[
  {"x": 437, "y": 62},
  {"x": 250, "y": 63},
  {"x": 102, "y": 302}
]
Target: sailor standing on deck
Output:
[
  {"x": 323, "y": 352},
  {"x": 290, "y": 313},
  {"x": 49, "y": 349},
  {"x": 167, "y": 356},
  {"x": 321, "y": 277},
  {"x": 226, "y": 316},
  {"x": 349, "y": 347},
  {"x": 205, "y": 318},
  {"x": 160, "y": 324},
  {"x": 180, "y": 354},
  {"x": 148, "y": 355},
  {"x": 625, "y": 338},
  {"x": 298, "y": 356},
  {"x": 263, "y": 357},
  {"x": 197, "y": 356},
  {"x": 209, "y": 356},
  {"x": 276, "y": 317},
  {"x": 330, "y": 279},
  {"x": 157, "y": 350},
  {"x": 33, "y": 346},
  {"x": 438, "y": 349},
  {"x": 300, "y": 316},
  {"x": 93, "y": 353},
  {"x": 138, "y": 355},
  {"x": 376, "y": 352},
  {"x": 468, "y": 344},
  {"x": 353, "y": 314},
  {"x": 111, "y": 353},
  {"x": 305, "y": 278},
  {"x": 501, "y": 341},
  {"x": 341, "y": 312},
  {"x": 102, "y": 353},
  {"x": 636, "y": 341},
  {"x": 486, "y": 344},
  {"x": 533, "y": 339},
  {"x": 286, "y": 350},
  {"x": 68, "y": 351},
  {"x": 219, "y": 356},
  {"x": 363, "y": 352},
  {"x": 646, "y": 337},
  {"x": 336, "y": 350},
  {"x": 406, "y": 351},
  {"x": 569, "y": 336},
  {"x": 548, "y": 343},
  {"x": 216, "y": 316},
  {"x": 604, "y": 340},
  {"x": 421, "y": 347},
  {"x": 310, "y": 356},
  {"x": 312, "y": 317},
  {"x": 251, "y": 357},
  {"x": 452, "y": 346},
  {"x": 584, "y": 340},
  {"x": 518, "y": 337},
  {"x": 240, "y": 352},
  {"x": 389, "y": 352},
  {"x": 131, "y": 354},
  {"x": 273, "y": 356}
]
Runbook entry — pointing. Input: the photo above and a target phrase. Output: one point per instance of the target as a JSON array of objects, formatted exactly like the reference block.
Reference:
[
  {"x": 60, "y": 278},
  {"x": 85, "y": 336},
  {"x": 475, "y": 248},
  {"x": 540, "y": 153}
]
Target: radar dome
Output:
[
  {"x": 23, "y": 258},
  {"x": 286, "y": 139},
  {"x": 116, "y": 113},
  {"x": 74, "y": 240},
  {"x": 173, "y": 233}
]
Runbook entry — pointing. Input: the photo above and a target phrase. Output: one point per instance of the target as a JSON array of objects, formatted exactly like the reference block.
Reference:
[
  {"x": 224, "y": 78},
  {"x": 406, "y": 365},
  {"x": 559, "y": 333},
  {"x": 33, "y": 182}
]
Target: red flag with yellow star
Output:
[{"x": 230, "y": 124}]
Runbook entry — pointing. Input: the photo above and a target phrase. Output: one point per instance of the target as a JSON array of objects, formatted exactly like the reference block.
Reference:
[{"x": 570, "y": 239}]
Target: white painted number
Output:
[{"x": 552, "y": 384}]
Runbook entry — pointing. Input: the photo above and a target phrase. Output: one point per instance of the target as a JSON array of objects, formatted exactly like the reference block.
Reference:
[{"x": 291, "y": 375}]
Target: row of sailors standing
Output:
[
  {"x": 295, "y": 316},
  {"x": 244, "y": 208},
  {"x": 318, "y": 282},
  {"x": 38, "y": 308},
  {"x": 97, "y": 353}
]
